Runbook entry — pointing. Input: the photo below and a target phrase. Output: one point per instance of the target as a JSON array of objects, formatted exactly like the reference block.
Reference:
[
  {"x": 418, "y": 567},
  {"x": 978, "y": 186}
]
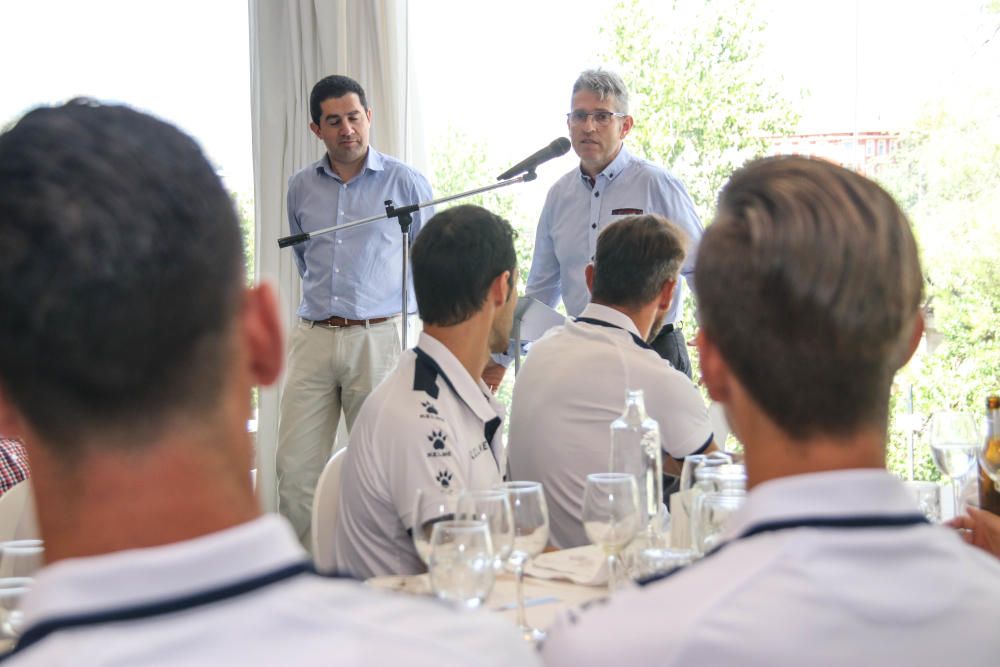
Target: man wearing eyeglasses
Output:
[{"x": 610, "y": 183}]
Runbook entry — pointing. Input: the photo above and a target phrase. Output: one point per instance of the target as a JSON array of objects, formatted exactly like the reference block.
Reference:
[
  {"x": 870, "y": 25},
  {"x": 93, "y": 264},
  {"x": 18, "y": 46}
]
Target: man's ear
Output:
[
  {"x": 588, "y": 274},
  {"x": 715, "y": 373},
  {"x": 626, "y": 126},
  {"x": 666, "y": 294},
  {"x": 262, "y": 332},
  {"x": 915, "y": 336},
  {"x": 315, "y": 130},
  {"x": 500, "y": 289}
]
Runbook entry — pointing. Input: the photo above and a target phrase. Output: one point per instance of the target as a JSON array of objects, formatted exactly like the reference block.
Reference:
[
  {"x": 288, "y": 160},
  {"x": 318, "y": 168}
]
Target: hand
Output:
[
  {"x": 979, "y": 528},
  {"x": 493, "y": 375}
]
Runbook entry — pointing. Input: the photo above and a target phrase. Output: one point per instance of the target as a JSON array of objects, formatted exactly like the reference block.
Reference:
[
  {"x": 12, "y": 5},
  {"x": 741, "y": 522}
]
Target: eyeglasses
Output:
[{"x": 601, "y": 118}]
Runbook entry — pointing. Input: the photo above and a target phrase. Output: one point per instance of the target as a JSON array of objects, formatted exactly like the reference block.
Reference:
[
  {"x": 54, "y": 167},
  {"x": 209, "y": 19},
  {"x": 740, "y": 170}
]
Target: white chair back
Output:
[
  {"x": 324, "y": 511},
  {"x": 17, "y": 513}
]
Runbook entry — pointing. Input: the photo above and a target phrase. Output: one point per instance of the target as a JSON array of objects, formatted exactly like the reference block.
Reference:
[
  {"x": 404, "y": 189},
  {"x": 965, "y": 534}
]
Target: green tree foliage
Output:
[
  {"x": 703, "y": 103},
  {"x": 946, "y": 175},
  {"x": 460, "y": 164}
]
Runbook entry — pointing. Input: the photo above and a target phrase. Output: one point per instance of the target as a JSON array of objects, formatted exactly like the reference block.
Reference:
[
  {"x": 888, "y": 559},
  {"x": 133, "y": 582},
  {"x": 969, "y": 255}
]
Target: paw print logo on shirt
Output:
[
  {"x": 444, "y": 478},
  {"x": 429, "y": 407},
  {"x": 437, "y": 439}
]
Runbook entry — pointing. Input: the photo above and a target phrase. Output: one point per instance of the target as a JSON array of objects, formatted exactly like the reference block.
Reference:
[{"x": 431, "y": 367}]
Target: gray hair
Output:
[{"x": 605, "y": 84}]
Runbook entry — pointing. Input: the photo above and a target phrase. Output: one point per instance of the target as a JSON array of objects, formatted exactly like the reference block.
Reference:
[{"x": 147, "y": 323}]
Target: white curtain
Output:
[{"x": 293, "y": 44}]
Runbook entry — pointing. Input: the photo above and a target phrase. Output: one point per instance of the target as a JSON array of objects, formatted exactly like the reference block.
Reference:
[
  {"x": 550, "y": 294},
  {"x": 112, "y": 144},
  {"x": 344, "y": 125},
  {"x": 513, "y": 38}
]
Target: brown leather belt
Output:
[{"x": 337, "y": 322}]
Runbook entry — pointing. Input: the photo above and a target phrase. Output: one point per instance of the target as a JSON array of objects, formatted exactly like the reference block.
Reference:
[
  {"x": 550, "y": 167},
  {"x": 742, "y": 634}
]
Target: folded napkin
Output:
[{"x": 582, "y": 565}]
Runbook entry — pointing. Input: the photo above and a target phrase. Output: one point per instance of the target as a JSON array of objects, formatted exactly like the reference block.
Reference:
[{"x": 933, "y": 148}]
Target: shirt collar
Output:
[
  {"x": 622, "y": 160},
  {"x": 374, "y": 161},
  {"x": 598, "y": 312},
  {"x": 832, "y": 494},
  {"x": 473, "y": 392},
  {"x": 137, "y": 576}
]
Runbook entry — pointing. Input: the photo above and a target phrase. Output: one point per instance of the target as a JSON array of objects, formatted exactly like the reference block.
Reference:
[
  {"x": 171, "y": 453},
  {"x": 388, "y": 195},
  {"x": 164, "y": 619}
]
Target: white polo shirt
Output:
[
  {"x": 242, "y": 596},
  {"x": 570, "y": 388},
  {"x": 840, "y": 568},
  {"x": 429, "y": 425}
]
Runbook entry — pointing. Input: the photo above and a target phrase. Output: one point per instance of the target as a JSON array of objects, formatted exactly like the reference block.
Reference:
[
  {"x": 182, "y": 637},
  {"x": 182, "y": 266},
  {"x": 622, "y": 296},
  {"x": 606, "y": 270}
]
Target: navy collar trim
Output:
[
  {"x": 601, "y": 323},
  {"x": 43, "y": 629},
  {"x": 830, "y": 522}
]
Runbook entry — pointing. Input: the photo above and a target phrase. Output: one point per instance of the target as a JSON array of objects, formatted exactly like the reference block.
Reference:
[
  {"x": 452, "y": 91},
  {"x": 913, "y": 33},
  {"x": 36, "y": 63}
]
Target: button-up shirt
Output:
[
  {"x": 241, "y": 596},
  {"x": 575, "y": 212},
  {"x": 355, "y": 273},
  {"x": 429, "y": 425},
  {"x": 559, "y": 414},
  {"x": 835, "y": 572}
]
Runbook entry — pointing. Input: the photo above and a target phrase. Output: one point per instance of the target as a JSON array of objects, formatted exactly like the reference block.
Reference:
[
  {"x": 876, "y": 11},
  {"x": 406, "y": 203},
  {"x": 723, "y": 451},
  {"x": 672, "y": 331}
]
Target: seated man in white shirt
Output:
[
  {"x": 829, "y": 562},
  {"x": 432, "y": 424},
  {"x": 572, "y": 384},
  {"x": 129, "y": 346}
]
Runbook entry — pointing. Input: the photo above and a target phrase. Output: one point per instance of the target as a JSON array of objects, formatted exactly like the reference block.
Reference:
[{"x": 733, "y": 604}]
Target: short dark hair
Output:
[
  {"x": 809, "y": 283},
  {"x": 121, "y": 267},
  {"x": 456, "y": 256},
  {"x": 635, "y": 256},
  {"x": 332, "y": 87}
]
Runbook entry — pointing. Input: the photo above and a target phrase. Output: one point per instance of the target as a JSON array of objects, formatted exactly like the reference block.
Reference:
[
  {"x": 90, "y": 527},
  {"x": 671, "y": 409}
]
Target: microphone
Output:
[{"x": 558, "y": 147}]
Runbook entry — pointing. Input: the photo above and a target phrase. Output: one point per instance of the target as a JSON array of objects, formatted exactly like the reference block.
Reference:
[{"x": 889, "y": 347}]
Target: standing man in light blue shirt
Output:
[
  {"x": 349, "y": 334},
  {"x": 609, "y": 184}
]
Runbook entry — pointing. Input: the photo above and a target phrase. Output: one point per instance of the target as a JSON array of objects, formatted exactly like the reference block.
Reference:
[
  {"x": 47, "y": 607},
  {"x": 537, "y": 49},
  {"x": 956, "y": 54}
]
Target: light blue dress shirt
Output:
[
  {"x": 575, "y": 212},
  {"x": 356, "y": 273}
]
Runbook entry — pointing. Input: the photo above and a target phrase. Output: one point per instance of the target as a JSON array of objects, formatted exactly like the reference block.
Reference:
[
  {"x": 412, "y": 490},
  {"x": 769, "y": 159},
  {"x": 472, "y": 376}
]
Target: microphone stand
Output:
[{"x": 404, "y": 216}]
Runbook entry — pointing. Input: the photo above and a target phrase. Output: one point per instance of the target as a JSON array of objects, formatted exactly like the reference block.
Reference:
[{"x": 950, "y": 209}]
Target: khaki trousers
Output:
[{"x": 329, "y": 370}]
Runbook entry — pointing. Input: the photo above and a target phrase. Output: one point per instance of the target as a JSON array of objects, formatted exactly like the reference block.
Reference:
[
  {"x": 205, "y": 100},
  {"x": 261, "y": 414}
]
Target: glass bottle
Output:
[
  {"x": 989, "y": 458},
  {"x": 635, "y": 449}
]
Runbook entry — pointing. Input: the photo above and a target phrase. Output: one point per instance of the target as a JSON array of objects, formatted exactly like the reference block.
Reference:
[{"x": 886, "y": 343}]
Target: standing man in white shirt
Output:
[
  {"x": 129, "y": 346},
  {"x": 609, "y": 183},
  {"x": 348, "y": 335},
  {"x": 830, "y": 561},
  {"x": 433, "y": 424},
  {"x": 572, "y": 384}
]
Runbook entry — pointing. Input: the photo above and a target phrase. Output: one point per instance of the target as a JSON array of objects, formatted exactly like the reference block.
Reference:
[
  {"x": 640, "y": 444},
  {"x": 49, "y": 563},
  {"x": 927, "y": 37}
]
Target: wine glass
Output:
[
  {"x": 493, "y": 507},
  {"x": 429, "y": 506},
  {"x": 611, "y": 517},
  {"x": 531, "y": 534},
  {"x": 19, "y": 561},
  {"x": 694, "y": 460},
  {"x": 461, "y": 563},
  {"x": 954, "y": 441}
]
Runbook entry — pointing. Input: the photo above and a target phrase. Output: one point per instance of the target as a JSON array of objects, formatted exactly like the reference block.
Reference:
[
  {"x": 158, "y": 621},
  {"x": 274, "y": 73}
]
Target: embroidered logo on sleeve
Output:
[
  {"x": 430, "y": 411},
  {"x": 439, "y": 444}
]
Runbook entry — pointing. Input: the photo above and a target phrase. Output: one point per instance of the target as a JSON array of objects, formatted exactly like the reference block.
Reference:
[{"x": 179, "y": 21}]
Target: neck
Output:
[
  {"x": 468, "y": 341},
  {"x": 642, "y": 317},
  {"x": 592, "y": 169},
  {"x": 771, "y": 453},
  {"x": 347, "y": 170},
  {"x": 109, "y": 499}
]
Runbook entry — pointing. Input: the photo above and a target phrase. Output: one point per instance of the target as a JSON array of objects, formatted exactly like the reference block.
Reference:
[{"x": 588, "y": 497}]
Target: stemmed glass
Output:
[
  {"x": 19, "y": 561},
  {"x": 493, "y": 507},
  {"x": 709, "y": 515},
  {"x": 954, "y": 440},
  {"x": 611, "y": 517},
  {"x": 462, "y": 565},
  {"x": 429, "y": 507},
  {"x": 531, "y": 534}
]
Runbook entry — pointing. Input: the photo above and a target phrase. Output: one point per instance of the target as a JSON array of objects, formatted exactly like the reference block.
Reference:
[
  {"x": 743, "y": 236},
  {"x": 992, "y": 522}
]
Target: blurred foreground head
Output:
[
  {"x": 121, "y": 275},
  {"x": 809, "y": 287}
]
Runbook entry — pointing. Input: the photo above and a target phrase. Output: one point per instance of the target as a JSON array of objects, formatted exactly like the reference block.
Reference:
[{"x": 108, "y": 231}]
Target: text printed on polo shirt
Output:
[{"x": 476, "y": 451}]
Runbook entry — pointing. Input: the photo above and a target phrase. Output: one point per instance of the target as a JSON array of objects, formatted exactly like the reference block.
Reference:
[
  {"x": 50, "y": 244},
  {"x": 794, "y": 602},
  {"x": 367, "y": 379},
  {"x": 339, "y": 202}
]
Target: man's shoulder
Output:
[
  {"x": 304, "y": 174},
  {"x": 397, "y": 405},
  {"x": 396, "y": 167},
  {"x": 642, "y": 169}
]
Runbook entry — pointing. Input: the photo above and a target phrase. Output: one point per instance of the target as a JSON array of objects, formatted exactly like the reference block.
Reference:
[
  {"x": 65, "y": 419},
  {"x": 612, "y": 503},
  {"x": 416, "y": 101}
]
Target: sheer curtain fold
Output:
[{"x": 293, "y": 44}]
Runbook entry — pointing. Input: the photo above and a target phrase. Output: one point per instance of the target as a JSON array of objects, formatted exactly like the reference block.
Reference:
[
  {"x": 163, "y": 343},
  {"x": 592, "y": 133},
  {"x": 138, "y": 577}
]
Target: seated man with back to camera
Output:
[
  {"x": 432, "y": 424},
  {"x": 129, "y": 347},
  {"x": 829, "y": 561},
  {"x": 572, "y": 384}
]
